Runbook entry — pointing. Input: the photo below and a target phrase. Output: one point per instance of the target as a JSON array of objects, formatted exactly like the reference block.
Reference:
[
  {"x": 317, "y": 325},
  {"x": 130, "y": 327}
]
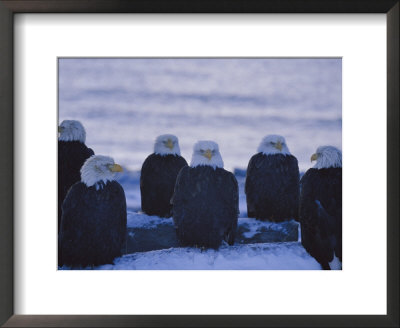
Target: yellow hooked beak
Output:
[
  {"x": 116, "y": 168},
  {"x": 208, "y": 154},
  {"x": 169, "y": 144},
  {"x": 314, "y": 157},
  {"x": 278, "y": 146},
  {"x": 60, "y": 129}
]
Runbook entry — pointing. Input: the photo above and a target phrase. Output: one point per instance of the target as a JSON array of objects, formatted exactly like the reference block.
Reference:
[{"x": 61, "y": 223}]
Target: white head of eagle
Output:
[
  {"x": 98, "y": 170},
  {"x": 273, "y": 144},
  {"x": 206, "y": 152},
  {"x": 326, "y": 157},
  {"x": 167, "y": 144},
  {"x": 71, "y": 130}
]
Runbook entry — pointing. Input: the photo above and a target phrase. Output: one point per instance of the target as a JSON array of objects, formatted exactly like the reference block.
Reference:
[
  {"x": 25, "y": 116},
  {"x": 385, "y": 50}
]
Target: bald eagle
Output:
[
  {"x": 205, "y": 200},
  {"x": 272, "y": 182},
  {"x": 93, "y": 222},
  {"x": 72, "y": 153},
  {"x": 158, "y": 176},
  {"x": 321, "y": 208}
]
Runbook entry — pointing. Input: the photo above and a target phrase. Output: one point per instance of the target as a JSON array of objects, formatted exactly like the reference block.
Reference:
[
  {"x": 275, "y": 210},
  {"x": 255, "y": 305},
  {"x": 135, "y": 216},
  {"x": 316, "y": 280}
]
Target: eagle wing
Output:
[
  {"x": 320, "y": 215},
  {"x": 229, "y": 192}
]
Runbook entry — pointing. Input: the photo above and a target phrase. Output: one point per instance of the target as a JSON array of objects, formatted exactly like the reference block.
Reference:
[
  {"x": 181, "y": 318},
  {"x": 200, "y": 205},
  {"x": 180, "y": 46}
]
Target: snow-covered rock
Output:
[
  {"x": 147, "y": 233},
  {"x": 152, "y": 242}
]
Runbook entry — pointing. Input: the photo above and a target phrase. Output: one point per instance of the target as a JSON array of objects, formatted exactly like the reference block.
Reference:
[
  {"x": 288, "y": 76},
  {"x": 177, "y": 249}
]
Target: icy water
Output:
[{"x": 125, "y": 103}]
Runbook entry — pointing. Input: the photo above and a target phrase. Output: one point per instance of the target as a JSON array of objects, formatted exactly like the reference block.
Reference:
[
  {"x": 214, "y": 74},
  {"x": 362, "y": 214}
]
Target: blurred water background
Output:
[{"x": 125, "y": 103}]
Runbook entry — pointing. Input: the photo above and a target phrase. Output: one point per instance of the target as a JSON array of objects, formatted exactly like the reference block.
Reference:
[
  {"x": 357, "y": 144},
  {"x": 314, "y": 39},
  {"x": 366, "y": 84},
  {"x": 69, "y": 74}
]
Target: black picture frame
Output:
[{"x": 10, "y": 7}]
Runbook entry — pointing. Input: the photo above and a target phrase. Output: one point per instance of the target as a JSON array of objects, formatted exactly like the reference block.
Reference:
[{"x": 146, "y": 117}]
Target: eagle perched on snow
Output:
[
  {"x": 321, "y": 208},
  {"x": 94, "y": 218},
  {"x": 205, "y": 200},
  {"x": 72, "y": 153},
  {"x": 158, "y": 176},
  {"x": 272, "y": 182}
]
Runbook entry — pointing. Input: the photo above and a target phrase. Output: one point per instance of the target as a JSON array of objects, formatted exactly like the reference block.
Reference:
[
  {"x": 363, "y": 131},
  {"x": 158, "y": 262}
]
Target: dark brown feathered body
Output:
[
  {"x": 157, "y": 182},
  {"x": 205, "y": 206},
  {"x": 93, "y": 225},
  {"x": 321, "y": 214},
  {"x": 71, "y": 156},
  {"x": 272, "y": 187}
]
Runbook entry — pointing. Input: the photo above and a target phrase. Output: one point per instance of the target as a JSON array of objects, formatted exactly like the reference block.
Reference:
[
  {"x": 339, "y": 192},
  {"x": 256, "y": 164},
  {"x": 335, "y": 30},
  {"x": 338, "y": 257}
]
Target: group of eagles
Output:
[{"x": 203, "y": 198}]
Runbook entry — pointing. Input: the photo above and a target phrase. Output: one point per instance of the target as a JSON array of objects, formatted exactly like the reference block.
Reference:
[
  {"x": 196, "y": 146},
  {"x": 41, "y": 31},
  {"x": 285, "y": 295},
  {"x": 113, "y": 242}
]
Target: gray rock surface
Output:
[{"x": 147, "y": 233}]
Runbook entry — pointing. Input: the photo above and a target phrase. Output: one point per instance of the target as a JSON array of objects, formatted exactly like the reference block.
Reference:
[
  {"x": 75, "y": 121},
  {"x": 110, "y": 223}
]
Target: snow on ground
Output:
[
  {"x": 256, "y": 227},
  {"x": 269, "y": 256},
  {"x": 260, "y": 256},
  {"x": 143, "y": 221}
]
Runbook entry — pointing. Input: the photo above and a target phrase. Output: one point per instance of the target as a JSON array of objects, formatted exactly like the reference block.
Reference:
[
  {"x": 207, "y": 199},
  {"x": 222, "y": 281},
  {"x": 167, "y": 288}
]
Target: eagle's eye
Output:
[
  {"x": 201, "y": 151},
  {"x": 272, "y": 143},
  {"x": 97, "y": 168},
  {"x": 213, "y": 151}
]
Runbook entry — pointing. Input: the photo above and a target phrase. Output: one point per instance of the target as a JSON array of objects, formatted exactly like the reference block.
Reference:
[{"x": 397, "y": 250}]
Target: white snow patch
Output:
[
  {"x": 276, "y": 256},
  {"x": 141, "y": 220},
  {"x": 335, "y": 264},
  {"x": 257, "y": 226}
]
